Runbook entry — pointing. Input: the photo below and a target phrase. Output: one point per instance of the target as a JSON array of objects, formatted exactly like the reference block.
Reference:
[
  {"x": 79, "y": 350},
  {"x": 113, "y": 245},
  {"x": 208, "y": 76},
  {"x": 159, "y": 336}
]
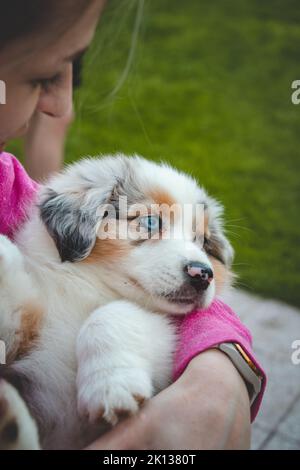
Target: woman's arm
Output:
[
  {"x": 17, "y": 194},
  {"x": 206, "y": 408},
  {"x": 208, "y": 328}
]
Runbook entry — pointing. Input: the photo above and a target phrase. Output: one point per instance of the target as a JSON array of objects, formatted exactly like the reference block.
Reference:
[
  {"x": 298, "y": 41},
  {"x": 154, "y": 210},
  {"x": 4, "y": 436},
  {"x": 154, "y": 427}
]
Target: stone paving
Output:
[{"x": 274, "y": 327}]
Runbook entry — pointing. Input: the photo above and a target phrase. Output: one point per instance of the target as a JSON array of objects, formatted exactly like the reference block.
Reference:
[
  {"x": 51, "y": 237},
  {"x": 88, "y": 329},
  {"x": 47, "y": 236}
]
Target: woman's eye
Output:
[
  {"x": 152, "y": 223},
  {"x": 47, "y": 83}
]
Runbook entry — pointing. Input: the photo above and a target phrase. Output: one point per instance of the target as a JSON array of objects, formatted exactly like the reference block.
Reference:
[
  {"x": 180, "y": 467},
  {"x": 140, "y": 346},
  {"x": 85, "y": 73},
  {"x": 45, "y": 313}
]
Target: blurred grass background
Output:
[{"x": 209, "y": 91}]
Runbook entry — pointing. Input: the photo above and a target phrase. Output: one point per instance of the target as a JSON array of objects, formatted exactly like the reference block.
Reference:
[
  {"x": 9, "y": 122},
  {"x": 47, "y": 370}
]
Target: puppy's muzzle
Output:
[{"x": 199, "y": 275}]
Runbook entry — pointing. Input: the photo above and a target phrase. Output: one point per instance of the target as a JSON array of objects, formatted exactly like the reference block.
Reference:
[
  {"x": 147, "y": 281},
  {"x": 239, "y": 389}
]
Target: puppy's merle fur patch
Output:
[{"x": 71, "y": 224}]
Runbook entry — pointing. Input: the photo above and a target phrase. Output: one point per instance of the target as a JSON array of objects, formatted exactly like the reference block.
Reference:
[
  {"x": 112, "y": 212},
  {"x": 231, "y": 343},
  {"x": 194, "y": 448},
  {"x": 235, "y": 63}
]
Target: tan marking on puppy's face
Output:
[
  {"x": 161, "y": 196},
  {"x": 222, "y": 275},
  {"x": 169, "y": 210},
  {"x": 107, "y": 251}
]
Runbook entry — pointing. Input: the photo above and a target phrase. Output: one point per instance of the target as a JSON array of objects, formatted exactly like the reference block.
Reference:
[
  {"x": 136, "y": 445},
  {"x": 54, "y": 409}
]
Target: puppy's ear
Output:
[{"x": 71, "y": 222}]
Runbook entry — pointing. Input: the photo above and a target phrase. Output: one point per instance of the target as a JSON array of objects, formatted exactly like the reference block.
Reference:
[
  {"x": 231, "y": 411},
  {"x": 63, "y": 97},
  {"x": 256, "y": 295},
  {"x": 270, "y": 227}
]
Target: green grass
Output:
[{"x": 209, "y": 91}]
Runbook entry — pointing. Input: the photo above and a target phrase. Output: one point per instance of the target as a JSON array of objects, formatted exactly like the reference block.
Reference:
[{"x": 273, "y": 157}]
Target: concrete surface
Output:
[{"x": 274, "y": 327}]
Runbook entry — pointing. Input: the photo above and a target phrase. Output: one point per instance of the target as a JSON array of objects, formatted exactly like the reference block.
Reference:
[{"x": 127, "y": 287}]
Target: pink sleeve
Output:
[
  {"x": 204, "y": 329},
  {"x": 17, "y": 193}
]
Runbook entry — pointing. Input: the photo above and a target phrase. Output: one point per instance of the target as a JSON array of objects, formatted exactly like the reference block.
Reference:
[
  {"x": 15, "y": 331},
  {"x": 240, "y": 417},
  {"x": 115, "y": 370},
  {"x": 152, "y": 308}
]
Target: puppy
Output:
[{"x": 86, "y": 313}]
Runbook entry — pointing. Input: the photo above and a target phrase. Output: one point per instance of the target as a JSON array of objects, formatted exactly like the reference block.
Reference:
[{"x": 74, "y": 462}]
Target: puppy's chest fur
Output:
[{"x": 67, "y": 298}]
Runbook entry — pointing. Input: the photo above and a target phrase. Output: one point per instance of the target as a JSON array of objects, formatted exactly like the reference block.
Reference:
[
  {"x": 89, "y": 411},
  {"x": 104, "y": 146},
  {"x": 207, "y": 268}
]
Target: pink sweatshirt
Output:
[{"x": 198, "y": 331}]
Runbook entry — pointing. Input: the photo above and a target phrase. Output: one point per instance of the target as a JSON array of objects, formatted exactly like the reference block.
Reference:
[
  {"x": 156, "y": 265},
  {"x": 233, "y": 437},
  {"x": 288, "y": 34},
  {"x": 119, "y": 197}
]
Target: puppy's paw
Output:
[
  {"x": 10, "y": 257},
  {"x": 113, "y": 394},
  {"x": 17, "y": 429}
]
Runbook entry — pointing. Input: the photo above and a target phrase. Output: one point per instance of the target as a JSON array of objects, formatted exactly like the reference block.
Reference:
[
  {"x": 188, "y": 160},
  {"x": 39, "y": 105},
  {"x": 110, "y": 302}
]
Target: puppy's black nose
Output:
[{"x": 200, "y": 275}]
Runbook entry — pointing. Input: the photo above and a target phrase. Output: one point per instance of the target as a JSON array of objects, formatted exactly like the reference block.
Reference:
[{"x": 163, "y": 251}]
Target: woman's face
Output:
[{"x": 39, "y": 78}]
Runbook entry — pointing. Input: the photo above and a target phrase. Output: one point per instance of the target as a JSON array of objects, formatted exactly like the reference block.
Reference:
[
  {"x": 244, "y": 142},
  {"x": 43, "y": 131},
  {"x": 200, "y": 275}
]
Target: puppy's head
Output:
[{"x": 153, "y": 235}]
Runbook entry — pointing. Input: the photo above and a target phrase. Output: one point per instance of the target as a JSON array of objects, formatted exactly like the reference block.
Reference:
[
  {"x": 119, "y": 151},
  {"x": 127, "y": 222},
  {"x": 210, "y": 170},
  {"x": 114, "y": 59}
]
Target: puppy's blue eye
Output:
[{"x": 152, "y": 223}]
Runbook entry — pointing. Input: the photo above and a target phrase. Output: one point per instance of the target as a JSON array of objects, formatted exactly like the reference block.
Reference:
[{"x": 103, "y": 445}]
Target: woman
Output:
[{"x": 207, "y": 407}]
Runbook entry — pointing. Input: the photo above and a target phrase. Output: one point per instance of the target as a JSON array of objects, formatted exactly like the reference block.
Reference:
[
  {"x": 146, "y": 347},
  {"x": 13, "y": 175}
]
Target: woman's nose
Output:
[{"x": 57, "y": 100}]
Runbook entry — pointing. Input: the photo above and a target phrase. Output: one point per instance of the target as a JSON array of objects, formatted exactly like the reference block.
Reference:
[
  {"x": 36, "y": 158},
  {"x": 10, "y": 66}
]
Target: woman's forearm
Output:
[{"x": 206, "y": 408}]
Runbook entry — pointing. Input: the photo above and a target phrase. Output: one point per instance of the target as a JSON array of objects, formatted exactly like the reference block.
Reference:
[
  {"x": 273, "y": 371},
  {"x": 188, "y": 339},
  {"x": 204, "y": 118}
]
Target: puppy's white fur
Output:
[{"x": 106, "y": 339}]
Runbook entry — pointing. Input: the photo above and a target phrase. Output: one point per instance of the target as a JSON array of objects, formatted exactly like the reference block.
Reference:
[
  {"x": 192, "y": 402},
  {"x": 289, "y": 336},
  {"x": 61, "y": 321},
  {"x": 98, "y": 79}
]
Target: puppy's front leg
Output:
[{"x": 124, "y": 356}]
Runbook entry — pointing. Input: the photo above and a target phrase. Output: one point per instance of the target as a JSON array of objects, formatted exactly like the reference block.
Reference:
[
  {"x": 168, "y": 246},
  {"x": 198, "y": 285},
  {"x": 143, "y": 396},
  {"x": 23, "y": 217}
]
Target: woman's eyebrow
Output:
[{"x": 76, "y": 55}]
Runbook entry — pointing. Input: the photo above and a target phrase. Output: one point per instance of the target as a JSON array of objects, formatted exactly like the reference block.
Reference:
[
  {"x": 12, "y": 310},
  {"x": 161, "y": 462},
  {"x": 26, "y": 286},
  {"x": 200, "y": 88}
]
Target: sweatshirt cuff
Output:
[{"x": 205, "y": 329}]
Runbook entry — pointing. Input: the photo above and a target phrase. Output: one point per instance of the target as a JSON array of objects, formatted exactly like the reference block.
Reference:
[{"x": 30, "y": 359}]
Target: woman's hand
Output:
[{"x": 206, "y": 408}]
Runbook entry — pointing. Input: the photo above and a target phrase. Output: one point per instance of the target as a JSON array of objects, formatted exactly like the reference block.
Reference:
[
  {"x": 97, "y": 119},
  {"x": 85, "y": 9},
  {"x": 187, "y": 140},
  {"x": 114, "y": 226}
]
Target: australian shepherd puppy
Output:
[{"x": 89, "y": 290}]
